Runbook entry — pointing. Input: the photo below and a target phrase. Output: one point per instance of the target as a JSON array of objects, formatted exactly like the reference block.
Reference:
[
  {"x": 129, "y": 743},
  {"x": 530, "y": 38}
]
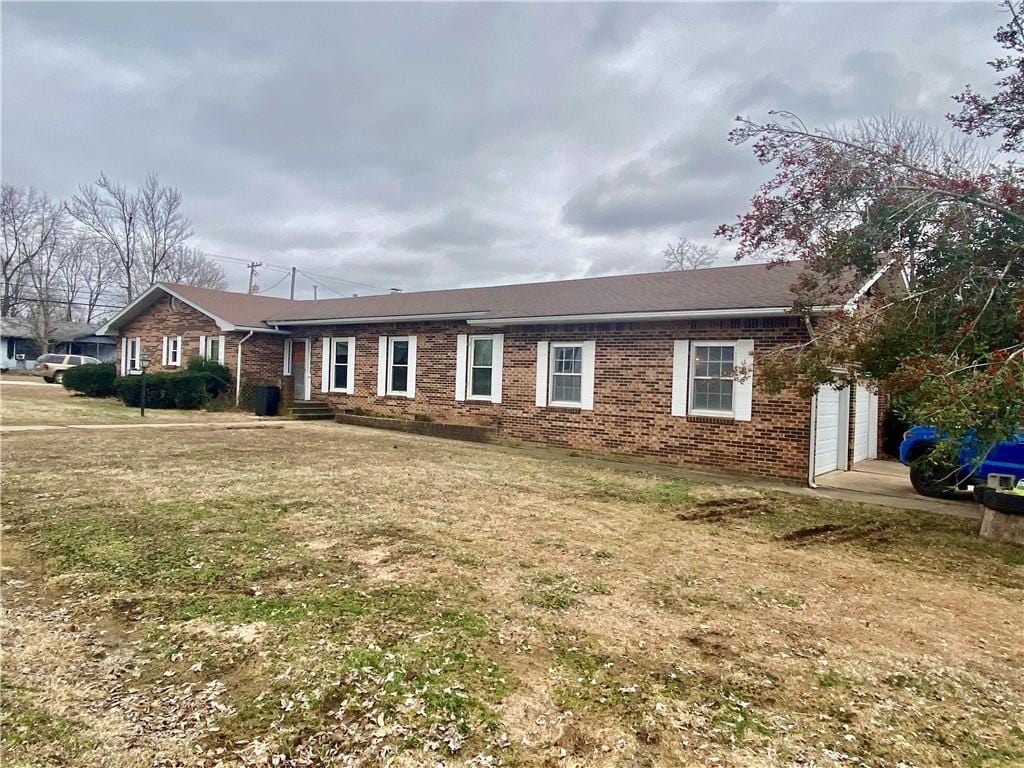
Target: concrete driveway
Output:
[{"x": 888, "y": 483}]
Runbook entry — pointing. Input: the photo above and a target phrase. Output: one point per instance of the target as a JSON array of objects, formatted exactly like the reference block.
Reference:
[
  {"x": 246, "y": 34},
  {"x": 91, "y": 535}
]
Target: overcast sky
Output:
[{"x": 429, "y": 146}]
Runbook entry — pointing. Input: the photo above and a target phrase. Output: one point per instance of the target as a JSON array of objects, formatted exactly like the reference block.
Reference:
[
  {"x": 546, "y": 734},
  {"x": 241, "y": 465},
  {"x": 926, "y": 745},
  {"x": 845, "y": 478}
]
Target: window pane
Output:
[
  {"x": 400, "y": 353},
  {"x": 399, "y": 378},
  {"x": 341, "y": 353},
  {"x": 340, "y": 376},
  {"x": 566, "y": 388},
  {"x": 481, "y": 385},
  {"x": 482, "y": 349},
  {"x": 568, "y": 359}
]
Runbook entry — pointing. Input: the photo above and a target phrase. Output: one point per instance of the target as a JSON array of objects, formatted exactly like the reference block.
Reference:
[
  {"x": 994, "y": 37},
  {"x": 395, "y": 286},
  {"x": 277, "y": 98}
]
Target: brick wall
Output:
[
  {"x": 632, "y": 388},
  {"x": 262, "y": 354},
  {"x": 166, "y": 319},
  {"x": 632, "y": 394}
]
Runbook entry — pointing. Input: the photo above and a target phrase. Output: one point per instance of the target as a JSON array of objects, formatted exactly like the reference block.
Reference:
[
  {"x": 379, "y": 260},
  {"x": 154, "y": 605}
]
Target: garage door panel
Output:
[
  {"x": 827, "y": 430},
  {"x": 861, "y": 425}
]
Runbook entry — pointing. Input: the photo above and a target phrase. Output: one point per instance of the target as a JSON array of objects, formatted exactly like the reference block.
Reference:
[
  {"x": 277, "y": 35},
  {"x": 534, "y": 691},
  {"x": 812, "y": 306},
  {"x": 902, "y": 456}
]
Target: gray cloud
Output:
[
  {"x": 456, "y": 229},
  {"x": 427, "y": 145}
]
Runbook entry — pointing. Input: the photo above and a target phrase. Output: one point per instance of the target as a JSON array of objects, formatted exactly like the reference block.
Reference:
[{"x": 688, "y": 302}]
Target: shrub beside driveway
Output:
[{"x": 332, "y": 593}]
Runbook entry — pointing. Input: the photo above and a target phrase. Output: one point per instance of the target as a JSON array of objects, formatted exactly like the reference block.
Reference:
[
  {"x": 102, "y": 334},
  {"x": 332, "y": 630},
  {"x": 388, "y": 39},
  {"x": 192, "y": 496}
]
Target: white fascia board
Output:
[
  {"x": 379, "y": 319},
  {"x": 641, "y": 316},
  {"x": 114, "y": 322},
  {"x": 851, "y": 305},
  {"x": 109, "y": 326}
]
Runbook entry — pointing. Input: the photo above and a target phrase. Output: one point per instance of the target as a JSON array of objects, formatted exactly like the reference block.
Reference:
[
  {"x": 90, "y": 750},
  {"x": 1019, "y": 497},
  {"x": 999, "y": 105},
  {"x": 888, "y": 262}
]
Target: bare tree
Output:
[
  {"x": 99, "y": 274},
  {"x": 686, "y": 254},
  {"x": 30, "y": 223},
  {"x": 44, "y": 272},
  {"x": 111, "y": 214},
  {"x": 70, "y": 273},
  {"x": 193, "y": 267},
  {"x": 164, "y": 227}
]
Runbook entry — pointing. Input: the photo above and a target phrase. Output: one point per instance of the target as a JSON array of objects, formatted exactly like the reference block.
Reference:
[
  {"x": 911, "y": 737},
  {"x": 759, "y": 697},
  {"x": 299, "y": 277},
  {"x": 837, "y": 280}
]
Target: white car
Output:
[{"x": 51, "y": 367}]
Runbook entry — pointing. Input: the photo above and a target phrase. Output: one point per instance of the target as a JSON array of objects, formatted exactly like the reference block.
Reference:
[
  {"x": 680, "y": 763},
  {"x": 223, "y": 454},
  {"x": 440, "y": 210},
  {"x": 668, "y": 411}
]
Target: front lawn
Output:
[
  {"x": 332, "y": 595},
  {"x": 52, "y": 405}
]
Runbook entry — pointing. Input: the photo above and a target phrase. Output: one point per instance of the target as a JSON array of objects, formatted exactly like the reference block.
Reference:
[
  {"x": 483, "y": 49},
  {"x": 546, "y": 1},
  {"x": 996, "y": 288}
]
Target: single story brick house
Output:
[{"x": 661, "y": 365}]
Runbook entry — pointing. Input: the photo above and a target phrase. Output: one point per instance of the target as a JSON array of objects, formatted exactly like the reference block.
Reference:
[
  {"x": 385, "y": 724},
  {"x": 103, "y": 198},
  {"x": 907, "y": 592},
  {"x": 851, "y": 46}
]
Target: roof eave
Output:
[
  {"x": 380, "y": 319},
  {"x": 687, "y": 314},
  {"x": 113, "y": 324}
]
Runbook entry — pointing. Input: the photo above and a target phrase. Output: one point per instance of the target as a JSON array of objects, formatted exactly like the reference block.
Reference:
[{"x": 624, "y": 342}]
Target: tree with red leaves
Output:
[{"x": 943, "y": 210}]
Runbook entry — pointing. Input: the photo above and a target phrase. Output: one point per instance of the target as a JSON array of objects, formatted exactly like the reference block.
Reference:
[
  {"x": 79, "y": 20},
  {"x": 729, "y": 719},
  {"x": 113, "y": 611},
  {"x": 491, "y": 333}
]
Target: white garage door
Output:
[
  {"x": 865, "y": 436},
  {"x": 827, "y": 430}
]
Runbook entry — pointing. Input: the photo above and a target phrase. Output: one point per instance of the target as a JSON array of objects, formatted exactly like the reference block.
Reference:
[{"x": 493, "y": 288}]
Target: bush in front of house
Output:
[
  {"x": 93, "y": 379},
  {"x": 218, "y": 376},
  {"x": 183, "y": 389}
]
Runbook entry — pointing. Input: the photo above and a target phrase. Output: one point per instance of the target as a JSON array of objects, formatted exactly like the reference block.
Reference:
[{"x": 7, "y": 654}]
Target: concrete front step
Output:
[
  {"x": 471, "y": 432},
  {"x": 311, "y": 410}
]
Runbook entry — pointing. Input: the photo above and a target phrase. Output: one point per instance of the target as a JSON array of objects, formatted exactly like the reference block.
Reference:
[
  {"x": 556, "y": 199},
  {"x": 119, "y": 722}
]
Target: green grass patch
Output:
[
  {"x": 551, "y": 590},
  {"x": 668, "y": 493}
]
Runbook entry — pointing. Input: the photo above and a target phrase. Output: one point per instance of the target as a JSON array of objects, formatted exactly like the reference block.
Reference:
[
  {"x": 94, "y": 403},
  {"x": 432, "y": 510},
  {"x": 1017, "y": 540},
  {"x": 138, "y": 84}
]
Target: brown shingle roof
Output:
[
  {"x": 736, "y": 287},
  {"x": 240, "y": 309},
  {"x": 749, "y": 286}
]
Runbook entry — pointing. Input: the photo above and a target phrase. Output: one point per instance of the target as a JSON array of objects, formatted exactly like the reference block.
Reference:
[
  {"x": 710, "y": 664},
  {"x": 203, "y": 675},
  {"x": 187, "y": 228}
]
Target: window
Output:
[
  {"x": 74, "y": 360},
  {"x": 133, "y": 354},
  {"x": 50, "y": 359},
  {"x": 566, "y": 374},
  {"x": 172, "y": 351},
  {"x": 341, "y": 361},
  {"x": 711, "y": 390},
  {"x": 481, "y": 367},
  {"x": 213, "y": 348},
  {"x": 398, "y": 366}
]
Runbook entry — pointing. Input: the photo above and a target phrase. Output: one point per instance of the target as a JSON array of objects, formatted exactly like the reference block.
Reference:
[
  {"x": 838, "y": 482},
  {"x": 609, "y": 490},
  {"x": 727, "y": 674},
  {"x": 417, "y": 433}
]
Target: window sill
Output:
[
  {"x": 563, "y": 408},
  {"x": 698, "y": 418},
  {"x": 339, "y": 392}
]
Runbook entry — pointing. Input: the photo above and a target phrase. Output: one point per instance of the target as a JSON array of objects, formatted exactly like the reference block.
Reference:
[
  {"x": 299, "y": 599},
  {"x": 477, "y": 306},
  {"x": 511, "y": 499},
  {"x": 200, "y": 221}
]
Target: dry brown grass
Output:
[
  {"x": 330, "y": 593},
  {"x": 22, "y": 405}
]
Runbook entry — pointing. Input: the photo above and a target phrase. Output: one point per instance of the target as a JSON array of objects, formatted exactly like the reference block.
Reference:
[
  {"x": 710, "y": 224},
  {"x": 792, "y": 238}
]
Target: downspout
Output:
[
  {"x": 812, "y": 437},
  {"x": 811, "y": 441},
  {"x": 238, "y": 368}
]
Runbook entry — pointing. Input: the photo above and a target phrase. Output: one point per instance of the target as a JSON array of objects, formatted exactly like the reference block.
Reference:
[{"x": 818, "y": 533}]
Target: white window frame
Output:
[
  {"x": 286, "y": 369},
  {"x": 497, "y": 352},
  {"x": 172, "y": 351},
  {"x": 133, "y": 345},
  {"x": 721, "y": 414},
  {"x": 204, "y": 348},
  {"x": 348, "y": 386},
  {"x": 410, "y": 379},
  {"x": 556, "y": 345}
]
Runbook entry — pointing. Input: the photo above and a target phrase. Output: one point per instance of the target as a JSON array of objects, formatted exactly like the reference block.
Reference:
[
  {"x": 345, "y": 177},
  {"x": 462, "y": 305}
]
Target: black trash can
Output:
[{"x": 266, "y": 399}]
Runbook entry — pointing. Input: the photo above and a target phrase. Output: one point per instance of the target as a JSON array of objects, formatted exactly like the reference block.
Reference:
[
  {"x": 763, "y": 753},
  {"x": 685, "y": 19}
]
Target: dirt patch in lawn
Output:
[{"x": 358, "y": 597}]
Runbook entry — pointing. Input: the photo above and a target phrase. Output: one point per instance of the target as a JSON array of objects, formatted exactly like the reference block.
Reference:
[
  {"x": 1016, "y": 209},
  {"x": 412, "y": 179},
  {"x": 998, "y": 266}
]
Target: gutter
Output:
[
  {"x": 379, "y": 319},
  {"x": 238, "y": 367}
]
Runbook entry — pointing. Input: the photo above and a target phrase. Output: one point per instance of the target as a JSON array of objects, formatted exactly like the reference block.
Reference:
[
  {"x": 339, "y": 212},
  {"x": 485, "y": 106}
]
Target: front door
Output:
[{"x": 300, "y": 372}]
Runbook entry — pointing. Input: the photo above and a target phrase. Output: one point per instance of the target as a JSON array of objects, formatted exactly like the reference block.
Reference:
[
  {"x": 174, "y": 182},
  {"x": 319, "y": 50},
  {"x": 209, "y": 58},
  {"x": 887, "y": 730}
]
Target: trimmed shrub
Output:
[
  {"x": 93, "y": 380},
  {"x": 184, "y": 389},
  {"x": 218, "y": 377}
]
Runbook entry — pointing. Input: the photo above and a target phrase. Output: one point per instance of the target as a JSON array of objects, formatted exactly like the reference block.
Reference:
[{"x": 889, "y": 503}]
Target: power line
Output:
[
  {"x": 262, "y": 291},
  {"x": 310, "y": 275}
]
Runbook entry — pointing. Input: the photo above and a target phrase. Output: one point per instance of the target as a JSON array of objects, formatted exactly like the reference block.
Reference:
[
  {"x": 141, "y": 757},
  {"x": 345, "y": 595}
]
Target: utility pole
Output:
[
  {"x": 252, "y": 272},
  {"x": 314, "y": 291},
  {"x": 292, "y": 294}
]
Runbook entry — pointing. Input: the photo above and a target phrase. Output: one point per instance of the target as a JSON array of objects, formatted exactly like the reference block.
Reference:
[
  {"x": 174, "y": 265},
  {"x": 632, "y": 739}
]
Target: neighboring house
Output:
[
  {"x": 635, "y": 364},
  {"x": 18, "y": 349}
]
